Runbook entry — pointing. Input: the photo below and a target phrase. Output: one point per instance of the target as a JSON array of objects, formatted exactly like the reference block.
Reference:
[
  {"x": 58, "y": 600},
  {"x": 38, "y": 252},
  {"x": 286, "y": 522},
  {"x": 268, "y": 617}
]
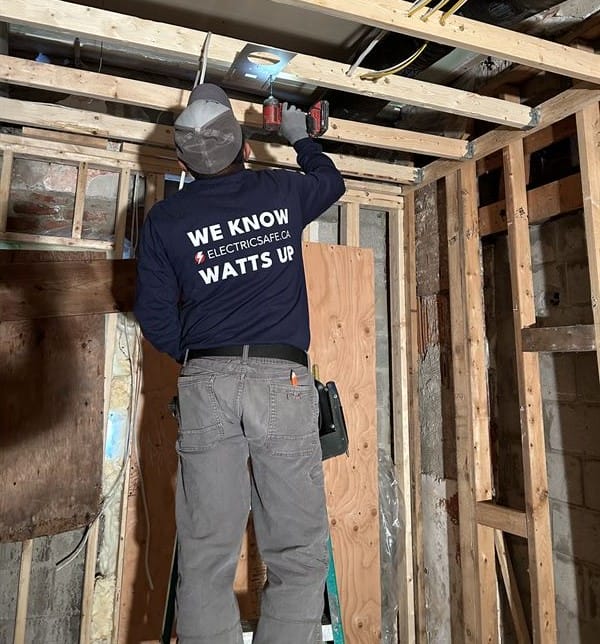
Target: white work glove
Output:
[{"x": 293, "y": 123}]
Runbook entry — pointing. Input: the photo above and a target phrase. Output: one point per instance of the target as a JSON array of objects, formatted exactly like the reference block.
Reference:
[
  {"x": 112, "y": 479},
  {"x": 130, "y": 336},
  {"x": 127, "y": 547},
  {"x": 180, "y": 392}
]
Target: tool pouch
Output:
[{"x": 333, "y": 433}]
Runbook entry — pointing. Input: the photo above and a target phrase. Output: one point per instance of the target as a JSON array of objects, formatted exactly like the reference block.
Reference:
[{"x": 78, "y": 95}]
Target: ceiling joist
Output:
[
  {"x": 104, "y": 87},
  {"x": 304, "y": 70},
  {"x": 472, "y": 35},
  {"x": 68, "y": 119}
]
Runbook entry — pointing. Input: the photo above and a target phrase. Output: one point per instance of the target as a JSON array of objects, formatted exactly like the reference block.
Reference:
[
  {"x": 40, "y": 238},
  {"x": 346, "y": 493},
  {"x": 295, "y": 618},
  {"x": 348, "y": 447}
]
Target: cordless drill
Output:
[{"x": 317, "y": 117}]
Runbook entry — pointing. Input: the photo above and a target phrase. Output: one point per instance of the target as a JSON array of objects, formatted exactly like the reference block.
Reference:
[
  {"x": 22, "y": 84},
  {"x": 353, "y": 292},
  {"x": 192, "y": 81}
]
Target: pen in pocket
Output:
[{"x": 293, "y": 378}]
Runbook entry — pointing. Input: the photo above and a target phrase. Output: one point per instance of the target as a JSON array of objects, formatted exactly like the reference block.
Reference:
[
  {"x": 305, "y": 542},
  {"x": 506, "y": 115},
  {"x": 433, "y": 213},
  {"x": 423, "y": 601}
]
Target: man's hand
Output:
[{"x": 293, "y": 123}]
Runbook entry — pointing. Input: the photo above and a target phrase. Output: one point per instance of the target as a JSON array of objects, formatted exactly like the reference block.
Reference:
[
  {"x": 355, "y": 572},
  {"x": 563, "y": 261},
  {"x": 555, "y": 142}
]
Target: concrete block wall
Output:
[{"x": 571, "y": 409}]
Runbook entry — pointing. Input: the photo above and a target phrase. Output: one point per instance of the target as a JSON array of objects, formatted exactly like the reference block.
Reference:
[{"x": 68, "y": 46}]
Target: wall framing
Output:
[{"x": 145, "y": 151}]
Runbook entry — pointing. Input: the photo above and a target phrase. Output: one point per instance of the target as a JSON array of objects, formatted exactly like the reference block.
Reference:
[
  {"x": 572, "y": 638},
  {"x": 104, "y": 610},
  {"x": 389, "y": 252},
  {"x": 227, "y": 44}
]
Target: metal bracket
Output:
[{"x": 247, "y": 74}]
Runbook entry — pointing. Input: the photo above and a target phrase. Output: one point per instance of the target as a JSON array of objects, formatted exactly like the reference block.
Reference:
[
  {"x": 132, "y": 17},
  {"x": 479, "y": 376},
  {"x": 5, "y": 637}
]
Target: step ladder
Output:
[
  {"x": 331, "y": 633},
  {"x": 483, "y": 523}
]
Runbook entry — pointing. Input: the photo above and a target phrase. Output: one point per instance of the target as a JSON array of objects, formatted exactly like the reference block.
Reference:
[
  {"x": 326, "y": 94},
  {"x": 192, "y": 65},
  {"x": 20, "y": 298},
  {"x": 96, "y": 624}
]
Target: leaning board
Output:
[{"x": 340, "y": 283}]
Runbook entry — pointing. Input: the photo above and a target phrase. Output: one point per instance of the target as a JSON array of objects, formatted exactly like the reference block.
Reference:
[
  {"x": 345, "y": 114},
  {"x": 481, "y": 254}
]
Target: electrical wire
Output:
[
  {"x": 134, "y": 388},
  {"x": 396, "y": 68},
  {"x": 369, "y": 48}
]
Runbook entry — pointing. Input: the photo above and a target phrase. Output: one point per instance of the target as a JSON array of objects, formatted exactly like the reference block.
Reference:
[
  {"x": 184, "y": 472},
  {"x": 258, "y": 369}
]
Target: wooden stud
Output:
[
  {"x": 350, "y": 224},
  {"x": 409, "y": 232},
  {"x": 588, "y": 133},
  {"x": 539, "y": 539},
  {"x": 5, "y": 178},
  {"x": 80, "y": 190},
  {"x": 515, "y": 604},
  {"x": 121, "y": 212},
  {"x": 49, "y": 240},
  {"x": 576, "y": 338},
  {"x": 23, "y": 592},
  {"x": 89, "y": 580},
  {"x": 471, "y": 406},
  {"x": 501, "y": 518},
  {"x": 400, "y": 385}
]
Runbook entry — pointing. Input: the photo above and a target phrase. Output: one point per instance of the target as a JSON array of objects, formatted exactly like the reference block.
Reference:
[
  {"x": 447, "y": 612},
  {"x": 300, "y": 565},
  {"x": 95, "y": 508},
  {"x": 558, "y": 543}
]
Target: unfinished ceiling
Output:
[{"x": 443, "y": 93}]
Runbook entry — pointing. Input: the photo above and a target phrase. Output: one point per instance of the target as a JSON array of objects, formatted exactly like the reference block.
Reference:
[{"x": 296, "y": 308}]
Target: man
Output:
[{"x": 221, "y": 289}]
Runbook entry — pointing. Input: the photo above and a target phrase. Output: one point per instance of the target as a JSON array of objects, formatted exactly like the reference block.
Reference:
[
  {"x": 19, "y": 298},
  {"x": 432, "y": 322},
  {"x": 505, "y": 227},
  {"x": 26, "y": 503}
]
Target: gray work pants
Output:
[{"x": 235, "y": 410}]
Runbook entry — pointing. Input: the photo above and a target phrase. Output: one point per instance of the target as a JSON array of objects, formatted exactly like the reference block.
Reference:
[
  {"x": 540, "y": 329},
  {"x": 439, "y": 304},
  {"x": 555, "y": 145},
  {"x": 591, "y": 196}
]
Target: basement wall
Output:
[{"x": 571, "y": 406}]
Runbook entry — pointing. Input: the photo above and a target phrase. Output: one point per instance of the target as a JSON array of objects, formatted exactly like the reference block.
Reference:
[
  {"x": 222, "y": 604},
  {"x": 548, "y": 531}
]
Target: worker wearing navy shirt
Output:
[{"x": 221, "y": 289}]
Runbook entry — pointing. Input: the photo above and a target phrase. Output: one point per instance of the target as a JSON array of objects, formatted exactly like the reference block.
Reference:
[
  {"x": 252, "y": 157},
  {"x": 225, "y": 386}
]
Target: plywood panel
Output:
[
  {"x": 342, "y": 308},
  {"x": 51, "y": 422}
]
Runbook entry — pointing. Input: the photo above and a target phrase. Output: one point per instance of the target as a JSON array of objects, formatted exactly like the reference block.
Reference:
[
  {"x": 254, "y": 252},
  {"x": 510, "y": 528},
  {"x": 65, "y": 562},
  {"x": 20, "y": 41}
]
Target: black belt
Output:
[{"x": 281, "y": 351}]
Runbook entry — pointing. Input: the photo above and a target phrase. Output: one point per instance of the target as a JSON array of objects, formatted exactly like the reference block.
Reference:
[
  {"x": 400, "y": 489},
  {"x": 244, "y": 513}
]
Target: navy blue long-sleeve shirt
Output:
[{"x": 220, "y": 262}]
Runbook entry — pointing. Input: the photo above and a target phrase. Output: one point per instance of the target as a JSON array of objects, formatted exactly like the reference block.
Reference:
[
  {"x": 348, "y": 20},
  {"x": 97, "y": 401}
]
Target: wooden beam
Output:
[
  {"x": 80, "y": 189},
  {"x": 418, "y": 556},
  {"x": 104, "y": 87},
  {"x": 539, "y": 540},
  {"x": 56, "y": 289},
  {"x": 501, "y": 518},
  {"x": 271, "y": 154},
  {"x": 588, "y": 133},
  {"x": 580, "y": 337},
  {"x": 471, "y": 407},
  {"x": 305, "y": 70},
  {"x": 555, "y": 109},
  {"x": 545, "y": 202},
  {"x": 515, "y": 604},
  {"x": 350, "y": 224},
  {"x": 23, "y": 592},
  {"x": 400, "y": 354},
  {"x": 464, "y": 33},
  {"x": 5, "y": 180},
  {"x": 50, "y": 240}
]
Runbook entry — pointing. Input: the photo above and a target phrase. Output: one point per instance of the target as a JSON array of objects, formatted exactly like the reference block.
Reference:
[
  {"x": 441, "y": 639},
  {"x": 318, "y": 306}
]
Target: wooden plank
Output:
[
  {"x": 580, "y": 337},
  {"x": 414, "y": 420},
  {"x": 400, "y": 391},
  {"x": 121, "y": 216},
  {"x": 588, "y": 133},
  {"x": 464, "y": 454},
  {"x": 350, "y": 224},
  {"x": 457, "y": 31},
  {"x": 271, "y": 154},
  {"x": 5, "y": 179},
  {"x": 501, "y": 518},
  {"x": 80, "y": 189},
  {"x": 539, "y": 540},
  {"x": 84, "y": 140},
  {"x": 340, "y": 282},
  {"x": 512, "y": 590},
  {"x": 57, "y": 289},
  {"x": 89, "y": 580},
  {"x": 23, "y": 591},
  {"x": 471, "y": 406},
  {"x": 140, "y": 608},
  {"x": 311, "y": 232},
  {"x": 50, "y": 240},
  {"x": 105, "y": 87},
  {"x": 162, "y": 38},
  {"x": 52, "y": 406},
  {"x": 543, "y": 203},
  {"x": 555, "y": 109}
]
